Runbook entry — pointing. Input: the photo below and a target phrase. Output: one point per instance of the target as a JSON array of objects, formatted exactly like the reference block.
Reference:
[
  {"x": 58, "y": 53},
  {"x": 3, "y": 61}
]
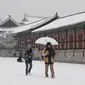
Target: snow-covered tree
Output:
[{"x": 7, "y": 39}]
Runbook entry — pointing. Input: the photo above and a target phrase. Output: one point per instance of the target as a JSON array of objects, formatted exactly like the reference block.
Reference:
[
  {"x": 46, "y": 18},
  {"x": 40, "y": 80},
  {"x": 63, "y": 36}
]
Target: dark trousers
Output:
[
  {"x": 28, "y": 70},
  {"x": 51, "y": 69}
]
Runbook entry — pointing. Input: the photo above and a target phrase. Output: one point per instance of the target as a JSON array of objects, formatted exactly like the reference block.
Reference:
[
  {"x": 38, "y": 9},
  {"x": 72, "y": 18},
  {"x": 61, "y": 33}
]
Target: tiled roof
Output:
[
  {"x": 3, "y": 21},
  {"x": 31, "y": 19},
  {"x": 63, "y": 21}
]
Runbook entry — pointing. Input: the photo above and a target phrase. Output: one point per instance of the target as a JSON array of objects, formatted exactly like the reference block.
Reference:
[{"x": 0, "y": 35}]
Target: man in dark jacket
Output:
[
  {"x": 28, "y": 59},
  {"x": 49, "y": 56}
]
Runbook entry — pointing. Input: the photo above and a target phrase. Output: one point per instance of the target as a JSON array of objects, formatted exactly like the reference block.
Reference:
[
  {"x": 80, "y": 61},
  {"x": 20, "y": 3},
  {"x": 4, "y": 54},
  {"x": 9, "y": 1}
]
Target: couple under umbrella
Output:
[{"x": 48, "y": 54}]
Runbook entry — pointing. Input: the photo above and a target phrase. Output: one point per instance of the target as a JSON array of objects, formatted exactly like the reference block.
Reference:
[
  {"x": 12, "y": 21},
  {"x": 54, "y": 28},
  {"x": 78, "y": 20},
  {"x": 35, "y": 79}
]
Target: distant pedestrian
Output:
[
  {"x": 49, "y": 56},
  {"x": 28, "y": 59},
  {"x": 15, "y": 55},
  {"x": 20, "y": 57}
]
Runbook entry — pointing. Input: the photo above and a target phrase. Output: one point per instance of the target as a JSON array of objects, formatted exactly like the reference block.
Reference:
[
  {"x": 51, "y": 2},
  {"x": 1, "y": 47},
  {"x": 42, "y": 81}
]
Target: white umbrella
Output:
[{"x": 45, "y": 40}]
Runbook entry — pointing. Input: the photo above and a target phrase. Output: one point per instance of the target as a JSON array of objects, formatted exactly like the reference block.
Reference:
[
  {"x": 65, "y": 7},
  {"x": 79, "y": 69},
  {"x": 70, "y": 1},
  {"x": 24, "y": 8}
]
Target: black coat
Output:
[
  {"x": 28, "y": 56},
  {"x": 50, "y": 56}
]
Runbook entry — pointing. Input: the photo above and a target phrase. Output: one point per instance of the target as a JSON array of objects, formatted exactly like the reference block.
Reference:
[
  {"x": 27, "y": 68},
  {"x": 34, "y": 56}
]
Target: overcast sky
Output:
[{"x": 17, "y": 8}]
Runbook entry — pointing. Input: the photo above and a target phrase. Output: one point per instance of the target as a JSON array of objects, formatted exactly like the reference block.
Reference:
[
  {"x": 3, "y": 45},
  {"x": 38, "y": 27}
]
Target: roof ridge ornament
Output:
[
  {"x": 9, "y": 15},
  {"x": 56, "y": 15}
]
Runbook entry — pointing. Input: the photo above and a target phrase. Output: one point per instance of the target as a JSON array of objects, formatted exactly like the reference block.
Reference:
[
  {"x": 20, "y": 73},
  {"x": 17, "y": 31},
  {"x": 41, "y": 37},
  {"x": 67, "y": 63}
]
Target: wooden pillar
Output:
[
  {"x": 20, "y": 42},
  {"x": 84, "y": 38},
  {"x": 34, "y": 39},
  {"x": 58, "y": 40},
  {"x": 75, "y": 39},
  {"x": 66, "y": 38}
]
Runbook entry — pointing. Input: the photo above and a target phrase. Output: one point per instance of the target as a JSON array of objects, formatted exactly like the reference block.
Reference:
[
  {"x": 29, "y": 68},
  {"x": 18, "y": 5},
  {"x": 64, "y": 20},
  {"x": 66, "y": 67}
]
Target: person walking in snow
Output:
[
  {"x": 49, "y": 56},
  {"x": 28, "y": 59}
]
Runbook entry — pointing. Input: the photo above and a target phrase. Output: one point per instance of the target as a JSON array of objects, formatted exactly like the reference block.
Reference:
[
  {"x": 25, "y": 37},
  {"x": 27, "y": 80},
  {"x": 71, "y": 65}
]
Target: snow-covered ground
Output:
[{"x": 13, "y": 73}]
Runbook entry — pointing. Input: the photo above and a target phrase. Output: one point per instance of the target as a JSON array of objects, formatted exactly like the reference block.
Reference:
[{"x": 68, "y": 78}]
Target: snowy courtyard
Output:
[{"x": 13, "y": 73}]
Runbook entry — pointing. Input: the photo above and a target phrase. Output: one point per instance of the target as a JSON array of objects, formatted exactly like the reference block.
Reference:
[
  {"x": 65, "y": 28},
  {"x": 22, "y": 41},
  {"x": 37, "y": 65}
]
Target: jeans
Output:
[{"x": 28, "y": 70}]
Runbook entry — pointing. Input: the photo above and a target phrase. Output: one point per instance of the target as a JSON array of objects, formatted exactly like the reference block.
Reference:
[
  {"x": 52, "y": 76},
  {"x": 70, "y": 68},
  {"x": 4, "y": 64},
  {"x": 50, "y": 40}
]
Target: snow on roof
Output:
[
  {"x": 48, "y": 20},
  {"x": 3, "y": 18},
  {"x": 21, "y": 29},
  {"x": 0, "y": 20},
  {"x": 63, "y": 21},
  {"x": 8, "y": 18},
  {"x": 5, "y": 32},
  {"x": 31, "y": 19},
  {"x": 26, "y": 27},
  {"x": 5, "y": 29}
]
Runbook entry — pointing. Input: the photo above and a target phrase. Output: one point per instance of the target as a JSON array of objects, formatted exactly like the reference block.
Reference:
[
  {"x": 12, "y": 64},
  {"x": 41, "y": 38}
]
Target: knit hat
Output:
[{"x": 29, "y": 46}]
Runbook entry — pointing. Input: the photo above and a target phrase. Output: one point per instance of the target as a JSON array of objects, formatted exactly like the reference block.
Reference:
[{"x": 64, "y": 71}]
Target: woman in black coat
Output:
[
  {"x": 49, "y": 57},
  {"x": 28, "y": 59}
]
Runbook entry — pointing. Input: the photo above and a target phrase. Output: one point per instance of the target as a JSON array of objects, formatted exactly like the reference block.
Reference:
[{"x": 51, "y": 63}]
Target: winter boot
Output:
[
  {"x": 46, "y": 75},
  {"x": 53, "y": 75},
  {"x": 27, "y": 72}
]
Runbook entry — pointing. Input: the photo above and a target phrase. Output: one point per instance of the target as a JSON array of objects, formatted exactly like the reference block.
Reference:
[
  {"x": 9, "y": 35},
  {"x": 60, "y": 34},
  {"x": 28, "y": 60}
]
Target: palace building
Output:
[
  {"x": 69, "y": 31},
  {"x": 24, "y": 33}
]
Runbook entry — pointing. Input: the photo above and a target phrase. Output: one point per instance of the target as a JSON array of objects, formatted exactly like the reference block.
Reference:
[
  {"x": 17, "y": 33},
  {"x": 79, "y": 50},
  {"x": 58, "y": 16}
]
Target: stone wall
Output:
[{"x": 72, "y": 56}]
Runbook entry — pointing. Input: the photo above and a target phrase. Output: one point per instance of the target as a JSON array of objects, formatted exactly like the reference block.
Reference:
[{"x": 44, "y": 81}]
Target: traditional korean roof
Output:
[
  {"x": 63, "y": 21},
  {"x": 26, "y": 27},
  {"x": 34, "y": 25},
  {"x": 30, "y": 26},
  {"x": 8, "y": 22},
  {"x": 31, "y": 19},
  {"x": 49, "y": 20}
]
